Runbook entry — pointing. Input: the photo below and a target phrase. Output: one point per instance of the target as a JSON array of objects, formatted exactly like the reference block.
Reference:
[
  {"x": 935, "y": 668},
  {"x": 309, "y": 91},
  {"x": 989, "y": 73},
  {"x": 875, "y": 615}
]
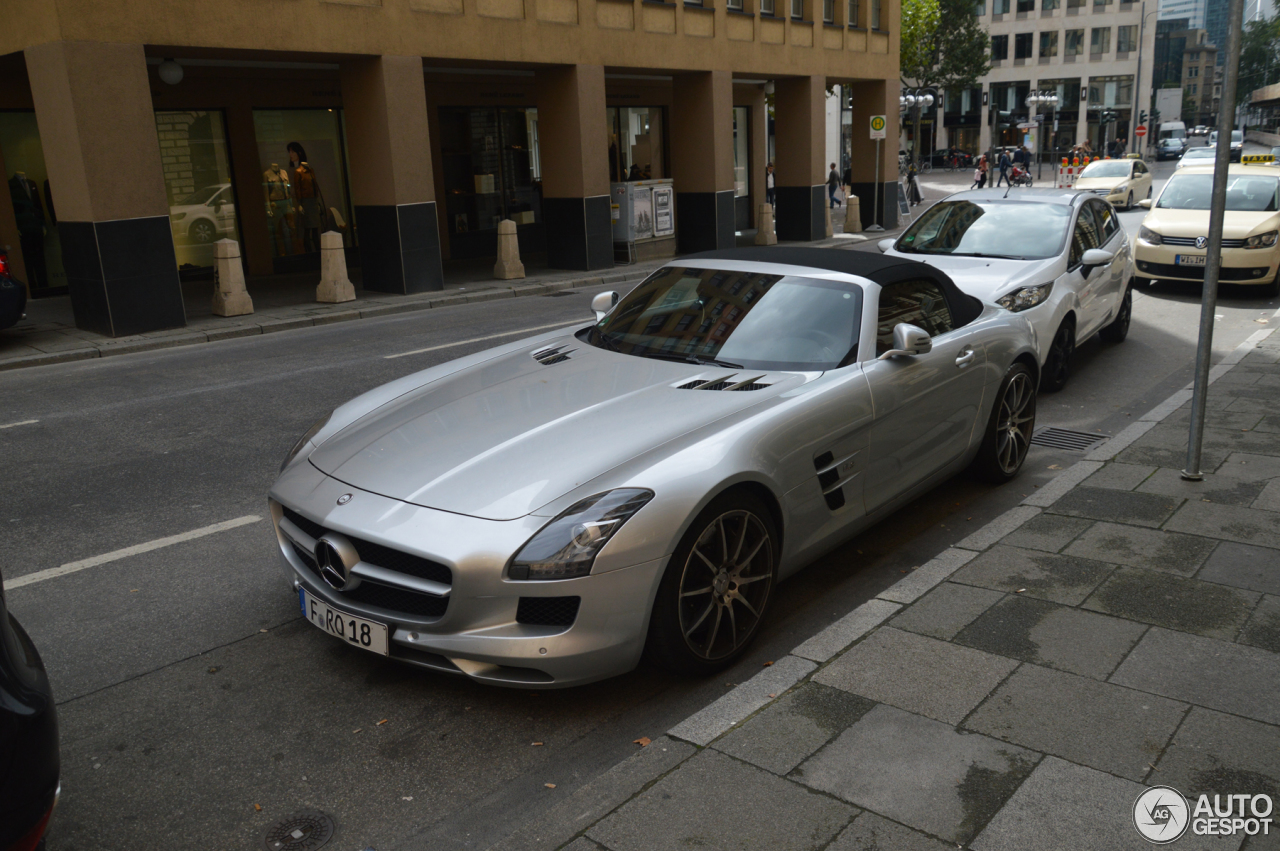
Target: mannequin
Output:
[
  {"x": 277, "y": 191},
  {"x": 307, "y": 195},
  {"x": 30, "y": 219}
]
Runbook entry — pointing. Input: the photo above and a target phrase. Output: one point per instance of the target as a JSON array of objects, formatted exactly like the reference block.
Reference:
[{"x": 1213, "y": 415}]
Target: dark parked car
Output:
[
  {"x": 13, "y": 295},
  {"x": 1171, "y": 148},
  {"x": 29, "y": 765},
  {"x": 942, "y": 158}
]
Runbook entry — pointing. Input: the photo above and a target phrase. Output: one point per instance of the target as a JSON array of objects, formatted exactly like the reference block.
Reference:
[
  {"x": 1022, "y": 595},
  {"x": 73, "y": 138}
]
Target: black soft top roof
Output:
[{"x": 880, "y": 268}]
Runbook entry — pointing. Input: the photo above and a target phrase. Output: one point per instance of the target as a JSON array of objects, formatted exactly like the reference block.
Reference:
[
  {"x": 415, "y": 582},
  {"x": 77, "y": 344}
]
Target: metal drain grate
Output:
[
  {"x": 1065, "y": 438},
  {"x": 303, "y": 831}
]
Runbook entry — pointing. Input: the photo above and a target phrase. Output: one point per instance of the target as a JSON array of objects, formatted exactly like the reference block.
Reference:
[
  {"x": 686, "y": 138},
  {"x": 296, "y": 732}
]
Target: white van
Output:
[{"x": 1172, "y": 130}]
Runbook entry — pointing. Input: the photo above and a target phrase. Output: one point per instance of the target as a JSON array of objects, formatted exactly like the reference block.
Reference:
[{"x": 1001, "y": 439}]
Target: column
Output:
[
  {"x": 759, "y": 150},
  {"x": 98, "y": 131},
  {"x": 800, "y": 139},
  {"x": 702, "y": 160},
  {"x": 874, "y": 97},
  {"x": 575, "y": 167},
  {"x": 385, "y": 101}
]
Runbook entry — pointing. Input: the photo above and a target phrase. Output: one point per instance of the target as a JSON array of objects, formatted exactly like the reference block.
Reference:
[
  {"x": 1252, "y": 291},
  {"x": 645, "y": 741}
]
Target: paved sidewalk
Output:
[{"x": 1119, "y": 629}]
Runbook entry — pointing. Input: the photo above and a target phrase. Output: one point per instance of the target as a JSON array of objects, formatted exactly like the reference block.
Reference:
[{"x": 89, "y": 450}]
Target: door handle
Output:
[{"x": 965, "y": 357}]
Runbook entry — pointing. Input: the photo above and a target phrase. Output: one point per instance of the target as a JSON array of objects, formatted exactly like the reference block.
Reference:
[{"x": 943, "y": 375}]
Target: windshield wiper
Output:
[
  {"x": 980, "y": 254},
  {"x": 604, "y": 338},
  {"x": 651, "y": 353}
]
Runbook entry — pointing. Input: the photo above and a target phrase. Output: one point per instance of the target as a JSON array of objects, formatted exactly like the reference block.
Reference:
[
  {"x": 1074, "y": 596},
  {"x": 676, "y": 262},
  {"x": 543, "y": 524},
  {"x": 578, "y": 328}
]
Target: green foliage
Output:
[
  {"x": 1259, "y": 65},
  {"x": 942, "y": 44}
]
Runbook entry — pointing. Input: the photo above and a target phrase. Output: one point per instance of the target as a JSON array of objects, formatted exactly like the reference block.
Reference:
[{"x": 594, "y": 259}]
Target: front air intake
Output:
[
  {"x": 553, "y": 355},
  {"x": 729, "y": 382}
]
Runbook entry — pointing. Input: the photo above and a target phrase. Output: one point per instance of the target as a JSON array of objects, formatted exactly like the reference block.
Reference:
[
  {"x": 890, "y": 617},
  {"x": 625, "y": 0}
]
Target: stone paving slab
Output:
[
  {"x": 716, "y": 802},
  {"x": 1221, "y": 487},
  {"x": 705, "y": 726},
  {"x": 1229, "y": 522},
  {"x": 1048, "y": 532},
  {"x": 919, "y": 772},
  {"x": 1138, "y": 547},
  {"x": 1122, "y": 477},
  {"x": 845, "y": 631},
  {"x": 1101, "y": 725},
  {"x": 1188, "y": 605},
  {"x": 1215, "y": 752},
  {"x": 916, "y": 673},
  {"x": 1243, "y": 566},
  {"x": 870, "y": 832},
  {"x": 1205, "y": 671},
  {"x": 1263, "y": 627},
  {"x": 946, "y": 610},
  {"x": 1137, "y": 509},
  {"x": 1061, "y": 579}
]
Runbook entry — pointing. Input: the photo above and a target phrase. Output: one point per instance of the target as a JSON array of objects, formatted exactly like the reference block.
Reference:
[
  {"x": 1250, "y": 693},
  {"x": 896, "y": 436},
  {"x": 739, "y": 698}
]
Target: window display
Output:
[
  {"x": 28, "y": 184},
  {"x": 304, "y": 181},
  {"x": 636, "y": 143},
  {"x": 197, "y": 181}
]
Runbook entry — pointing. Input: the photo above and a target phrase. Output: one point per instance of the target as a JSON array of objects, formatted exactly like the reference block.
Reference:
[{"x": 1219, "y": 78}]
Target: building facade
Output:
[
  {"x": 147, "y": 131},
  {"x": 1199, "y": 63},
  {"x": 1192, "y": 10},
  {"x": 1088, "y": 52}
]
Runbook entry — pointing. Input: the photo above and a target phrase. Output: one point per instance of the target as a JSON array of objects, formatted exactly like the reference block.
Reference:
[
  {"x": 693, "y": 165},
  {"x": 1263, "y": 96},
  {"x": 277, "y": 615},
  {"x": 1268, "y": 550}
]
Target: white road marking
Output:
[
  {"x": 159, "y": 543},
  {"x": 482, "y": 339},
  {"x": 23, "y": 422}
]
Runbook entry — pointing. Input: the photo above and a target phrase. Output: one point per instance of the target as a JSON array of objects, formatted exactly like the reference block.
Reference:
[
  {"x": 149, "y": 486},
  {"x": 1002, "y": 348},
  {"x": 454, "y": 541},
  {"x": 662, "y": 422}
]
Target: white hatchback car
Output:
[{"x": 1061, "y": 257}]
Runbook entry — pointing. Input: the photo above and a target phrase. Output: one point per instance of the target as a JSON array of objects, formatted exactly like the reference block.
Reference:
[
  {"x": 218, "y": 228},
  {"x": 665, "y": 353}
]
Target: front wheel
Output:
[
  {"x": 1008, "y": 436},
  {"x": 1057, "y": 366},
  {"x": 717, "y": 587},
  {"x": 1119, "y": 327},
  {"x": 1129, "y": 203},
  {"x": 926, "y": 167}
]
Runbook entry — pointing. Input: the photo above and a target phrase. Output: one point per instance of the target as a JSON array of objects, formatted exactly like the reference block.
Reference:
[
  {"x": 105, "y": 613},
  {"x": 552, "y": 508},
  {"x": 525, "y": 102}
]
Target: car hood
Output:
[
  {"x": 500, "y": 439},
  {"x": 1235, "y": 225},
  {"x": 1090, "y": 183},
  {"x": 989, "y": 278}
]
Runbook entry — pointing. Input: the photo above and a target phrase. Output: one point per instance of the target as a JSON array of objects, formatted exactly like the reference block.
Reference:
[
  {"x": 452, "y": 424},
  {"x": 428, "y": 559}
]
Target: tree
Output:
[
  {"x": 942, "y": 44},
  {"x": 1258, "y": 66}
]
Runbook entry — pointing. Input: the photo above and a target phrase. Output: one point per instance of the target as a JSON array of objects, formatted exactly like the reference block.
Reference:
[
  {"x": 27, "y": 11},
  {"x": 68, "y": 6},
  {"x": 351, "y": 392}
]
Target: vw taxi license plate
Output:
[
  {"x": 367, "y": 635},
  {"x": 1190, "y": 259}
]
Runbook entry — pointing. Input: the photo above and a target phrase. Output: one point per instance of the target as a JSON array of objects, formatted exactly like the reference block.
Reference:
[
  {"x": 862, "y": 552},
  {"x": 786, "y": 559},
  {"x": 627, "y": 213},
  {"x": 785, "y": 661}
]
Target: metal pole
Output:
[
  {"x": 1137, "y": 80},
  {"x": 1035, "y": 127},
  {"x": 875, "y": 215},
  {"x": 1213, "y": 262}
]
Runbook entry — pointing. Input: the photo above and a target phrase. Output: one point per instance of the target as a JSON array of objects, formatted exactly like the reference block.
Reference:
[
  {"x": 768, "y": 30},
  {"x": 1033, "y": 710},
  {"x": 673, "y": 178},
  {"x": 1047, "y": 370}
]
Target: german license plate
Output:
[
  {"x": 1189, "y": 259},
  {"x": 367, "y": 635}
]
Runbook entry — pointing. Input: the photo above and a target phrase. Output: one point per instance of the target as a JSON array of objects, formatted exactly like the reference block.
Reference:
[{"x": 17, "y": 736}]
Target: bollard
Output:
[
  {"x": 230, "y": 298},
  {"x": 508, "y": 265},
  {"x": 827, "y": 221},
  {"x": 852, "y": 215},
  {"x": 334, "y": 286},
  {"x": 765, "y": 234}
]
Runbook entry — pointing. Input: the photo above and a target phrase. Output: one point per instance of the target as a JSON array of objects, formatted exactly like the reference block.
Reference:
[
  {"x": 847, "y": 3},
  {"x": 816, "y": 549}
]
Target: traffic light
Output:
[{"x": 1142, "y": 116}]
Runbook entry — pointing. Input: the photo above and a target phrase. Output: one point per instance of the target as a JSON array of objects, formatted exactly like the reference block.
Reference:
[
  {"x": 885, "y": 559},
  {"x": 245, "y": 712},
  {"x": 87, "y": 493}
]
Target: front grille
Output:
[
  {"x": 1196, "y": 273},
  {"x": 383, "y": 596},
  {"x": 1191, "y": 241},
  {"x": 312, "y": 528},
  {"x": 548, "y": 611}
]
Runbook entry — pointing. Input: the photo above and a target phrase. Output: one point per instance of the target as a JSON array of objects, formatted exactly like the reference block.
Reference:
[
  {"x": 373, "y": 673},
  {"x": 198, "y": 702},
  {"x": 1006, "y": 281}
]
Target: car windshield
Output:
[
  {"x": 1237, "y": 136},
  {"x": 1199, "y": 154},
  {"x": 995, "y": 228},
  {"x": 1171, "y": 143},
  {"x": 1245, "y": 193},
  {"x": 736, "y": 319},
  {"x": 1106, "y": 168}
]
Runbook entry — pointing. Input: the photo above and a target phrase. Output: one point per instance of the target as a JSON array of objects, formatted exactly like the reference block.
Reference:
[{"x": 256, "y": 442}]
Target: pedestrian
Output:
[
  {"x": 833, "y": 184},
  {"x": 770, "y": 182},
  {"x": 980, "y": 173},
  {"x": 1005, "y": 164},
  {"x": 1111, "y": 149},
  {"x": 913, "y": 186}
]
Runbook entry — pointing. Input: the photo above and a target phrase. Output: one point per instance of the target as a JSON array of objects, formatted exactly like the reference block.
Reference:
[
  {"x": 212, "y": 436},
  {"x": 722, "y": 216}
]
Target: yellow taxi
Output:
[
  {"x": 1173, "y": 240},
  {"x": 1119, "y": 181}
]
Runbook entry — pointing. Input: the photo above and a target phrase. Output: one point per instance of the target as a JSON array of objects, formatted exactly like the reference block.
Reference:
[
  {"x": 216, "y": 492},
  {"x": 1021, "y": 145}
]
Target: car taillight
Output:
[
  {"x": 4, "y": 263},
  {"x": 31, "y": 840}
]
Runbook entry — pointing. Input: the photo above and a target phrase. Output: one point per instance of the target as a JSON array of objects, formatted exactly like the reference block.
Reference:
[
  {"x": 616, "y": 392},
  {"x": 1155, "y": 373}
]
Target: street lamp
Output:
[
  {"x": 915, "y": 100},
  {"x": 1035, "y": 100}
]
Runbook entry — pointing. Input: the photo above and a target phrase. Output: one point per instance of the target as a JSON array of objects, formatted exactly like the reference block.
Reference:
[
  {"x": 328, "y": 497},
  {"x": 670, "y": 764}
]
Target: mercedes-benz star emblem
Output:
[
  {"x": 1202, "y": 241},
  {"x": 335, "y": 557},
  {"x": 344, "y": 499}
]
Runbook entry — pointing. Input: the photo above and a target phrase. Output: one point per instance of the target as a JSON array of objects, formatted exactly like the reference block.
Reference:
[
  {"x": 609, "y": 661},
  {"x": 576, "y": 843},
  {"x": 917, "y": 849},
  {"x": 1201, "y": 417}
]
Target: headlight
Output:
[
  {"x": 1147, "y": 235},
  {"x": 1025, "y": 297},
  {"x": 567, "y": 546},
  {"x": 311, "y": 432},
  {"x": 1119, "y": 189},
  {"x": 1262, "y": 240}
]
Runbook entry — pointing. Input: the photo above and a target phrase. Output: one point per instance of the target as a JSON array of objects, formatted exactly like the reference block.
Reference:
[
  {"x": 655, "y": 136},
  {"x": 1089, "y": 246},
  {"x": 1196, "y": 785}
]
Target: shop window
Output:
[
  {"x": 32, "y": 198},
  {"x": 301, "y": 157},
  {"x": 636, "y": 143},
  {"x": 491, "y": 172},
  {"x": 197, "y": 181}
]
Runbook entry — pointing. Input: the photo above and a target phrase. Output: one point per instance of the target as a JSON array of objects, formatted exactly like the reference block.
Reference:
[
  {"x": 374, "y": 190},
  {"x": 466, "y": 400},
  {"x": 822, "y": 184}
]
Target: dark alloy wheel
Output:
[
  {"x": 202, "y": 231},
  {"x": 1119, "y": 327},
  {"x": 1008, "y": 436},
  {"x": 717, "y": 587},
  {"x": 1057, "y": 367}
]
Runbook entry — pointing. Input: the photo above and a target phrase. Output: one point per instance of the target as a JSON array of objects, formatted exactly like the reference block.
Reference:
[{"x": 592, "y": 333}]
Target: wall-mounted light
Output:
[{"x": 170, "y": 72}]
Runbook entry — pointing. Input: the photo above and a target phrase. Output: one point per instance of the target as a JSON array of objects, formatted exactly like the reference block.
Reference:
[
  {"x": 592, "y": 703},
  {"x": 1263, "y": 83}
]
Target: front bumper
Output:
[
  {"x": 475, "y": 628},
  {"x": 1239, "y": 265}
]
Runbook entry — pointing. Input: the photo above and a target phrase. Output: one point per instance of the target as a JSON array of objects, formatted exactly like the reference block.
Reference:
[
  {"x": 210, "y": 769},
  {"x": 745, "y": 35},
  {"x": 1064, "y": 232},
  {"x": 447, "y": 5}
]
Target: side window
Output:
[
  {"x": 1106, "y": 220},
  {"x": 920, "y": 303},
  {"x": 1084, "y": 237}
]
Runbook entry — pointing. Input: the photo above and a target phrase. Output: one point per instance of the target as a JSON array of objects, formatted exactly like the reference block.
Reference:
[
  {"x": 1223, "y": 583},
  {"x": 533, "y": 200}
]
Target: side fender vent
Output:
[
  {"x": 553, "y": 355},
  {"x": 729, "y": 382},
  {"x": 833, "y": 474}
]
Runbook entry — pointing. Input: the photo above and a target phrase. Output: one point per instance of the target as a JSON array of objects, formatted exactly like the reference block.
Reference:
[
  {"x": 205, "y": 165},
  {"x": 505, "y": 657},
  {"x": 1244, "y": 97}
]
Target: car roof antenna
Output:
[{"x": 1007, "y": 188}]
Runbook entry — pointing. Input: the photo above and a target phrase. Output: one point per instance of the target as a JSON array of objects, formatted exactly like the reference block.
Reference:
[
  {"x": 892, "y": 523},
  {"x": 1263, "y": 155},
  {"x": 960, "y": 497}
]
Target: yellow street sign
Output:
[
  {"x": 1253, "y": 159},
  {"x": 877, "y": 126}
]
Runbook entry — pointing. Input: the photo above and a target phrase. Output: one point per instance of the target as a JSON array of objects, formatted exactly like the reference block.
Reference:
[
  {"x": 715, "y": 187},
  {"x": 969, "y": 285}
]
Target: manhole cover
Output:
[
  {"x": 1065, "y": 438},
  {"x": 299, "y": 832}
]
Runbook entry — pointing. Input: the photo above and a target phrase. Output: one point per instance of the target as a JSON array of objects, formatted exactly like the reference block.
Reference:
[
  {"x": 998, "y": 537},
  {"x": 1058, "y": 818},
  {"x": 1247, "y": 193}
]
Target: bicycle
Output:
[{"x": 926, "y": 167}]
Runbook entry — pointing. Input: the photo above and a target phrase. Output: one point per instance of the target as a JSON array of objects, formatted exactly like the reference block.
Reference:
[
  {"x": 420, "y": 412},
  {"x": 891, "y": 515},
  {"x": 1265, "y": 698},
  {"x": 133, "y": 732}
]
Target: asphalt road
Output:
[{"x": 192, "y": 694}]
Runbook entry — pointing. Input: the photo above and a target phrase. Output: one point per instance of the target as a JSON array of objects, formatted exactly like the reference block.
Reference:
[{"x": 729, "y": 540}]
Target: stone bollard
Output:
[
  {"x": 230, "y": 298},
  {"x": 508, "y": 265},
  {"x": 335, "y": 286},
  {"x": 827, "y": 221},
  {"x": 765, "y": 234},
  {"x": 852, "y": 215}
]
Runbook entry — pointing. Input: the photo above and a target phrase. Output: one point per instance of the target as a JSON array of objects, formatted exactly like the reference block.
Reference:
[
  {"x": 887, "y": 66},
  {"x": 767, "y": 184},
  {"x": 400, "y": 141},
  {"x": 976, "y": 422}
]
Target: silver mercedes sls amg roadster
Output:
[{"x": 545, "y": 513}]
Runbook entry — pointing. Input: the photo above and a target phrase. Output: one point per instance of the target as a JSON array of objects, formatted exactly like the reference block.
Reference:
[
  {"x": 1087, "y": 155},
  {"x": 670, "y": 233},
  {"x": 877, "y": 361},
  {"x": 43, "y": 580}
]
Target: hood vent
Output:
[
  {"x": 553, "y": 355},
  {"x": 729, "y": 382},
  {"x": 833, "y": 475}
]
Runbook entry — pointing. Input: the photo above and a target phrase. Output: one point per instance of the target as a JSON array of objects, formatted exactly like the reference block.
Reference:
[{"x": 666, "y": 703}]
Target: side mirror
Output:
[
  {"x": 603, "y": 303},
  {"x": 1096, "y": 257},
  {"x": 885, "y": 244},
  {"x": 908, "y": 341},
  {"x": 1145, "y": 203}
]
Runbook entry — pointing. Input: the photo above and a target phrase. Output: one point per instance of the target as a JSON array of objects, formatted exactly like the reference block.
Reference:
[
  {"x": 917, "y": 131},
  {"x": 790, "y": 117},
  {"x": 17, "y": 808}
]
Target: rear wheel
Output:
[
  {"x": 717, "y": 587},
  {"x": 1008, "y": 435},
  {"x": 1119, "y": 327},
  {"x": 1057, "y": 366}
]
